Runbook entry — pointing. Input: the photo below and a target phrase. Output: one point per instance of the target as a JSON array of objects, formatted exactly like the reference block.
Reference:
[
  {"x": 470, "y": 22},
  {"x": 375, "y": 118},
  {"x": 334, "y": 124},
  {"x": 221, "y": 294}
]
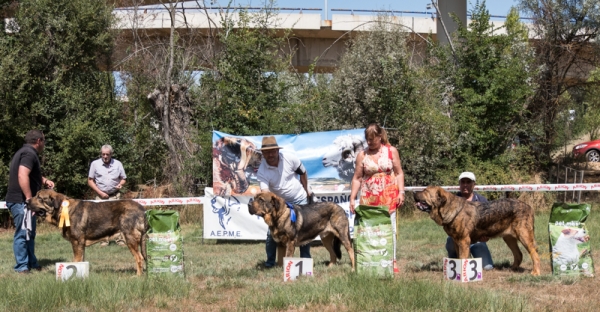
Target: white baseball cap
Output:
[{"x": 468, "y": 175}]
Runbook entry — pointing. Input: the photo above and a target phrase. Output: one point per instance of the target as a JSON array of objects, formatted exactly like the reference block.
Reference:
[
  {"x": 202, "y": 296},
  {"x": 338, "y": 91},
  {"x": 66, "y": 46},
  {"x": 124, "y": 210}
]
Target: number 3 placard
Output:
[
  {"x": 463, "y": 270},
  {"x": 295, "y": 267}
]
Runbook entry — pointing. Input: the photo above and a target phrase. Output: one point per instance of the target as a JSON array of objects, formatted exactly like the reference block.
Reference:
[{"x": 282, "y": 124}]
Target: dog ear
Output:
[
  {"x": 441, "y": 197},
  {"x": 57, "y": 200},
  {"x": 276, "y": 203}
]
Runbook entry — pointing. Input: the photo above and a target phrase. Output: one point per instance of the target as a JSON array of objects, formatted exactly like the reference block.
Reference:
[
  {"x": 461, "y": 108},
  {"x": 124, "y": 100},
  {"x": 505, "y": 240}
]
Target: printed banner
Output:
[
  {"x": 328, "y": 157},
  {"x": 228, "y": 217}
]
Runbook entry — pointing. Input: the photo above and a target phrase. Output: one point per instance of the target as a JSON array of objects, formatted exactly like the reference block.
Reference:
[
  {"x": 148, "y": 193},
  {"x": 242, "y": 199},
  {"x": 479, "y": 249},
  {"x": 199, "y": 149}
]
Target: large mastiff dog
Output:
[
  {"x": 325, "y": 219},
  {"x": 90, "y": 222},
  {"x": 467, "y": 221}
]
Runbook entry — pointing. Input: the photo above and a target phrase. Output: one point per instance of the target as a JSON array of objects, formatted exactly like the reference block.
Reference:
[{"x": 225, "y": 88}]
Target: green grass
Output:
[{"x": 228, "y": 275}]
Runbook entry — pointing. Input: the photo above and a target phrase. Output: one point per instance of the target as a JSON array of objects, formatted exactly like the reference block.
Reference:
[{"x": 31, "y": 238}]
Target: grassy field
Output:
[{"x": 227, "y": 276}]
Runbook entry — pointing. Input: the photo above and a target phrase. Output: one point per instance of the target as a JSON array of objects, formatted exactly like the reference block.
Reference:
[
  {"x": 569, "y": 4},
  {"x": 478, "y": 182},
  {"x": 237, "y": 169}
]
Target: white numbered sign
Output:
[
  {"x": 69, "y": 270},
  {"x": 463, "y": 270},
  {"x": 295, "y": 267}
]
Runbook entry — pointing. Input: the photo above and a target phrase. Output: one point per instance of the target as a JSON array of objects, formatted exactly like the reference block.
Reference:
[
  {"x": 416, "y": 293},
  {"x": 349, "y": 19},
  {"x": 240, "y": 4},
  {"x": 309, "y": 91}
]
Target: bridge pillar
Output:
[{"x": 458, "y": 7}]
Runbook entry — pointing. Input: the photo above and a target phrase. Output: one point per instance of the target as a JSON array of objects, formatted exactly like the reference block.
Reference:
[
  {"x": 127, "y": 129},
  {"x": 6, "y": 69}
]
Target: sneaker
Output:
[
  {"x": 39, "y": 269},
  {"x": 488, "y": 267},
  {"x": 103, "y": 244},
  {"x": 122, "y": 244}
]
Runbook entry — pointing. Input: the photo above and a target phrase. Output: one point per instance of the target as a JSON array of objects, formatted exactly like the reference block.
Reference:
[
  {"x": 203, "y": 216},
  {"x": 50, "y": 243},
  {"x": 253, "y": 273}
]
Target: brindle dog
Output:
[
  {"x": 467, "y": 221},
  {"x": 91, "y": 222},
  {"x": 325, "y": 219}
]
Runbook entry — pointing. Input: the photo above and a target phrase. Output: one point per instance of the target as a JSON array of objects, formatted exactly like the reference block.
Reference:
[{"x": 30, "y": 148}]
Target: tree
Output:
[
  {"x": 565, "y": 33},
  {"x": 591, "y": 115},
  {"x": 489, "y": 80},
  {"x": 377, "y": 82},
  {"x": 50, "y": 79}
]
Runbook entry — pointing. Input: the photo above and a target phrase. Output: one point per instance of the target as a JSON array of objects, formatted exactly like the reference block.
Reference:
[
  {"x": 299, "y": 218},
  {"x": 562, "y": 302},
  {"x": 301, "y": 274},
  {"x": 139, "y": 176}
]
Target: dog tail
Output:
[
  {"x": 144, "y": 241},
  {"x": 337, "y": 247}
]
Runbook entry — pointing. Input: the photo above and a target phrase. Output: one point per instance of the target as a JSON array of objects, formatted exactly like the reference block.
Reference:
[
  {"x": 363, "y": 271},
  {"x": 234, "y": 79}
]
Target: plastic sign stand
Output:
[
  {"x": 71, "y": 270},
  {"x": 463, "y": 270},
  {"x": 296, "y": 267}
]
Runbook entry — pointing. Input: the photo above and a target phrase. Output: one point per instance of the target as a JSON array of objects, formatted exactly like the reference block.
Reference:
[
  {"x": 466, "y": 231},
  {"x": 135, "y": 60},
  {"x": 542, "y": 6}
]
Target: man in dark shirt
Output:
[
  {"x": 479, "y": 249},
  {"x": 24, "y": 181}
]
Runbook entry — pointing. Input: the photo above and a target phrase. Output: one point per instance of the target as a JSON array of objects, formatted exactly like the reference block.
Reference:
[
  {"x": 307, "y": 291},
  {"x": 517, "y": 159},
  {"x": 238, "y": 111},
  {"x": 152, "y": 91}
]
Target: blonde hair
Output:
[{"x": 375, "y": 130}]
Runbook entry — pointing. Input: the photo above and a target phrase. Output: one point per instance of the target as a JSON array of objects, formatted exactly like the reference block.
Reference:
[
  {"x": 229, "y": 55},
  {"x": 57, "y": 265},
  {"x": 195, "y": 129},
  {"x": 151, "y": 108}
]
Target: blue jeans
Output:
[
  {"x": 271, "y": 245},
  {"x": 478, "y": 250},
  {"x": 23, "y": 249}
]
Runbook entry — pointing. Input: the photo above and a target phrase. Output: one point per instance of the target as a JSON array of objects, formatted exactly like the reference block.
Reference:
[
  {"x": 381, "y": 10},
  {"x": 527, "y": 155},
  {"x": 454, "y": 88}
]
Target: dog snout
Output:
[
  {"x": 250, "y": 206},
  {"x": 416, "y": 196}
]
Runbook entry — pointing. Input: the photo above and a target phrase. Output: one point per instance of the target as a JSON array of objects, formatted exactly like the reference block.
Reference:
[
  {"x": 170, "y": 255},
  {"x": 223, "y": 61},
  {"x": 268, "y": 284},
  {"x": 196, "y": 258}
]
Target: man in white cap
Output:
[
  {"x": 478, "y": 249},
  {"x": 285, "y": 176}
]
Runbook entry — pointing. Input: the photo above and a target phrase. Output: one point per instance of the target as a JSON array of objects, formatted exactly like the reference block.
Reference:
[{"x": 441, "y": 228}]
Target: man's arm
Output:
[
  {"x": 304, "y": 181},
  {"x": 122, "y": 175},
  {"x": 24, "y": 182},
  {"x": 94, "y": 187}
]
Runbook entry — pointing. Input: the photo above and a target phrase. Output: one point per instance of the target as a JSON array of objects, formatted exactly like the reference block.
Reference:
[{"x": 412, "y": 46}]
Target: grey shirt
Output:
[{"x": 107, "y": 176}]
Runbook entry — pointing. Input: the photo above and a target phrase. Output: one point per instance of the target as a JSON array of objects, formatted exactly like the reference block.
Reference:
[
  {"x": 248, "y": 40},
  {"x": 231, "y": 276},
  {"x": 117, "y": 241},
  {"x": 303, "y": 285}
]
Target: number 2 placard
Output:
[
  {"x": 295, "y": 267},
  {"x": 463, "y": 270}
]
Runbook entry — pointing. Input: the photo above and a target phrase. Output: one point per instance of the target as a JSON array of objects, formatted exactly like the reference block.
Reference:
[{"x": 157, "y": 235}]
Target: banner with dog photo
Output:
[
  {"x": 227, "y": 217},
  {"x": 328, "y": 157}
]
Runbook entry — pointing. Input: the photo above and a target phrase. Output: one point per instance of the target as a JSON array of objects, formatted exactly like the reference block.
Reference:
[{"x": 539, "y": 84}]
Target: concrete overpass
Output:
[{"x": 312, "y": 38}]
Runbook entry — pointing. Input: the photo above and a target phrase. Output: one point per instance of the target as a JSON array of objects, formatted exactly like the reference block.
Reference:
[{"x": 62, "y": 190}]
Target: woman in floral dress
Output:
[{"x": 379, "y": 177}]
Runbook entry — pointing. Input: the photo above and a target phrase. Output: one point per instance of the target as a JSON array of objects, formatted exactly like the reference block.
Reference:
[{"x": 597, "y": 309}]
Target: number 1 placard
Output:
[
  {"x": 295, "y": 267},
  {"x": 463, "y": 270}
]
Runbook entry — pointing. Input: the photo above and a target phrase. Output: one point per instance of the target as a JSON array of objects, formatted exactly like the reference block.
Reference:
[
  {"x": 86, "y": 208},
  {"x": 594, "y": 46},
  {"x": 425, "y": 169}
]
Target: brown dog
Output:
[
  {"x": 325, "y": 219},
  {"x": 467, "y": 221},
  {"x": 90, "y": 222}
]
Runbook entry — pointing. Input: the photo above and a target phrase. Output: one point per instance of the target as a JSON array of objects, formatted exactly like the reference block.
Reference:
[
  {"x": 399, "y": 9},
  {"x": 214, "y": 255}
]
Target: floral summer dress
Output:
[{"x": 379, "y": 186}]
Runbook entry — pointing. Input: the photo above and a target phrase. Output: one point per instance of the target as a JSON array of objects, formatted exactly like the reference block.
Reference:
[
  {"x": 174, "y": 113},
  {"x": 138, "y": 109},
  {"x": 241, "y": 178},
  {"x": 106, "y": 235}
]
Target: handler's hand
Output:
[
  {"x": 104, "y": 195},
  {"x": 49, "y": 184},
  {"x": 400, "y": 200},
  {"x": 351, "y": 205}
]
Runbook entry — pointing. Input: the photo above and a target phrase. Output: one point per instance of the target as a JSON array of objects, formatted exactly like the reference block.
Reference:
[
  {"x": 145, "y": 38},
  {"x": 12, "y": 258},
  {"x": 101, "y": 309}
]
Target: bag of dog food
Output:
[
  {"x": 373, "y": 241},
  {"x": 165, "y": 243},
  {"x": 569, "y": 212},
  {"x": 569, "y": 240}
]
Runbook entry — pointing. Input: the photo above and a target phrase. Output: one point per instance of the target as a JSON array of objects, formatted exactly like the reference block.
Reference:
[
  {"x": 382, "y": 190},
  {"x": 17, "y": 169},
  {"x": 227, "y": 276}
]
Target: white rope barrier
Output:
[{"x": 176, "y": 201}]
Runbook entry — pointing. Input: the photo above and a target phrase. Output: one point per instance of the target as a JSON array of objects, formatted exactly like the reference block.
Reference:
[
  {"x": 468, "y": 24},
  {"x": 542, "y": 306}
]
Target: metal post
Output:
[
  {"x": 574, "y": 181},
  {"x": 566, "y": 176},
  {"x": 580, "y": 181}
]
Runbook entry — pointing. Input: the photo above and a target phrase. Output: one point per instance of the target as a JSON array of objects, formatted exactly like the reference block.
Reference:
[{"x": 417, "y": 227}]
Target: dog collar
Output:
[{"x": 292, "y": 212}]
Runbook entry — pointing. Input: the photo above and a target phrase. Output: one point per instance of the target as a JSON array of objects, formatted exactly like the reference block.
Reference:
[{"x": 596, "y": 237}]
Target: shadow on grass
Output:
[
  {"x": 50, "y": 262},
  {"x": 433, "y": 266}
]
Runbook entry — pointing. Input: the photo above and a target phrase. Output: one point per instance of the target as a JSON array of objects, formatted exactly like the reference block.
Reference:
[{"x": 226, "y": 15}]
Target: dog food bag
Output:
[
  {"x": 569, "y": 212},
  {"x": 373, "y": 241},
  {"x": 571, "y": 249},
  {"x": 569, "y": 240},
  {"x": 165, "y": 243}
]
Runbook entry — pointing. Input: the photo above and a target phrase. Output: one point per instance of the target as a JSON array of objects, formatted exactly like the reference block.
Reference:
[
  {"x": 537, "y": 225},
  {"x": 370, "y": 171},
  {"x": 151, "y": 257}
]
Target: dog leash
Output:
[{"x": 292, "y": 212}]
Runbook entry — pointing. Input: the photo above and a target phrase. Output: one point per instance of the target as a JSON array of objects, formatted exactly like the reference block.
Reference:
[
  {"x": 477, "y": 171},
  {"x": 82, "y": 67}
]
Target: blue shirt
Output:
[
  {"x": 107, "y": 176},
  {"x": 476, "y": 197}
]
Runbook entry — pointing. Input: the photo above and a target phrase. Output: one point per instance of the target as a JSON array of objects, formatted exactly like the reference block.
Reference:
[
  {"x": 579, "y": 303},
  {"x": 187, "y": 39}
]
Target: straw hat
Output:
[{"x": 269, "y": 143}]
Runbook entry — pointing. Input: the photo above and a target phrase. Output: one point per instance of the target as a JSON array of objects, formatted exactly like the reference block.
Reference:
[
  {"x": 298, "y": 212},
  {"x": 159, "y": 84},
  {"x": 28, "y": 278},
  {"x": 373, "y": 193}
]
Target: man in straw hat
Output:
[
  {"x": 479, "y": 249},
  {"x": 278, "y": 173}
]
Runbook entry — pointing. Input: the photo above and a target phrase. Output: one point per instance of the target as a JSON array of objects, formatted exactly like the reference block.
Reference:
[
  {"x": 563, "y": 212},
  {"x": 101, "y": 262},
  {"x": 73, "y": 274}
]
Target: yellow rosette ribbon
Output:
[{"x": 64, "y": 214}]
